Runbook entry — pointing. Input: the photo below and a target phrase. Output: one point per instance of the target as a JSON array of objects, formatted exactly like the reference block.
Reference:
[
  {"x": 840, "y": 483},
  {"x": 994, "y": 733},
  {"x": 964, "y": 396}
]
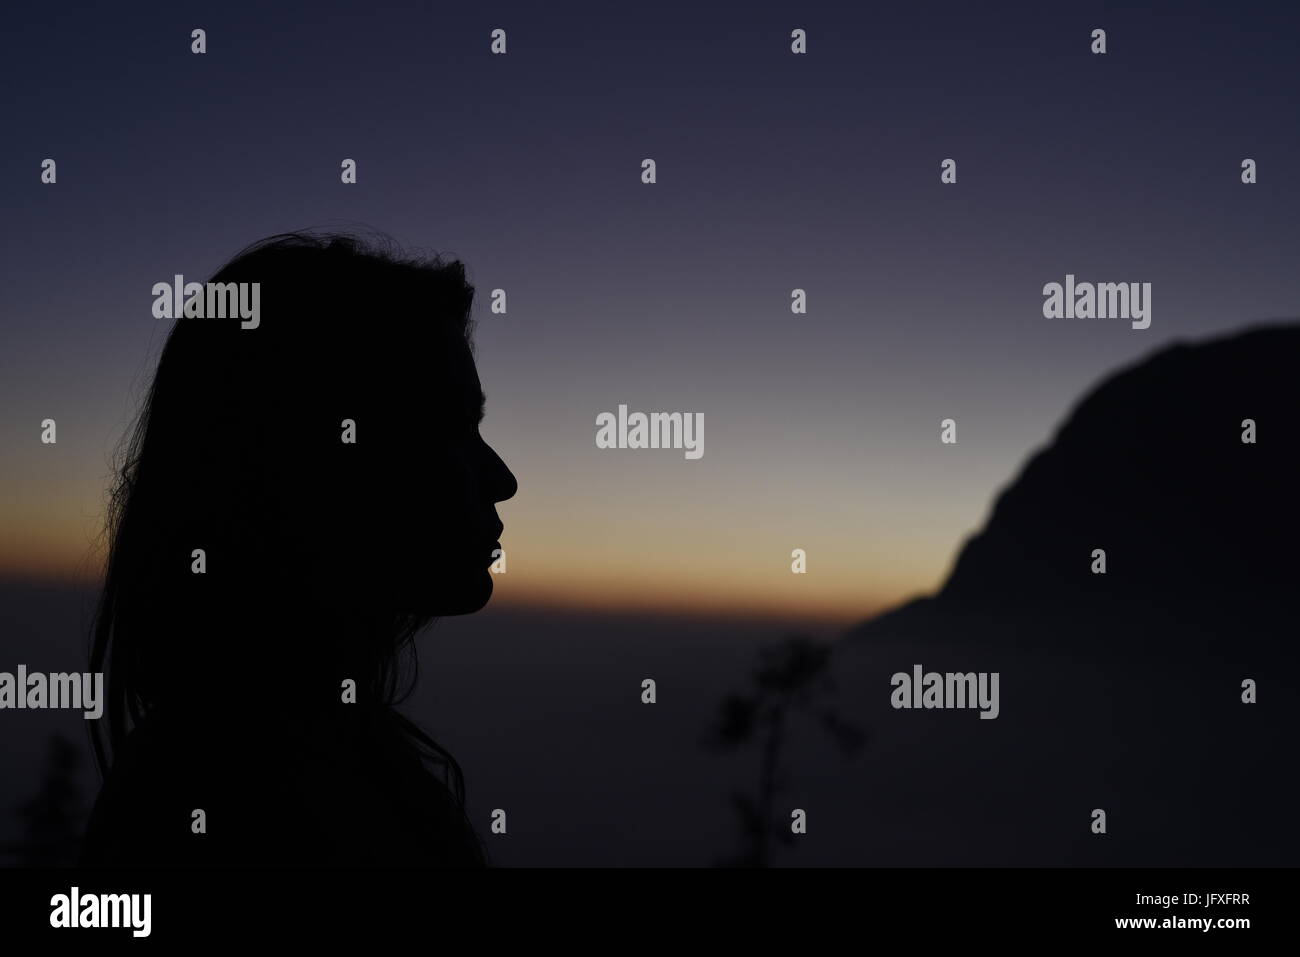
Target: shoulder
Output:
[
  {"x": 138, "y": 817},
  {"x": 173, "y": 799}
]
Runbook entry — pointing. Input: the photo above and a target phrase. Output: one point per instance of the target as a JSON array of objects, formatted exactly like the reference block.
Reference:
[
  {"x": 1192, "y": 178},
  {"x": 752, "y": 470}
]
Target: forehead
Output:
[
  {"x": 453, "y": 363},
  {"x": 440, "y": 367}
]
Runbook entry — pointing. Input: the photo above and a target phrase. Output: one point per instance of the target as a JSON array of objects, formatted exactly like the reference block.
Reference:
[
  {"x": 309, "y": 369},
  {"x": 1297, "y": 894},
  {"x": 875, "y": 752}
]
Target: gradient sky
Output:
[{"x": 775, "y": 171}]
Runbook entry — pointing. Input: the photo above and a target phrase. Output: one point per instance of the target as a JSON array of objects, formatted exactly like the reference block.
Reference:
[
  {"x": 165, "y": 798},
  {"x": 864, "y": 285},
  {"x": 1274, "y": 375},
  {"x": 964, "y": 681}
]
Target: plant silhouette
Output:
[{"x": 790, "y": 679}]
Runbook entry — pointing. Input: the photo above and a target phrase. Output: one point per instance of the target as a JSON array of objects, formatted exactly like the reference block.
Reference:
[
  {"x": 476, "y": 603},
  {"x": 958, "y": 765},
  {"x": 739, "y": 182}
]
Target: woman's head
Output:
[{"x": 328, "y": 466}]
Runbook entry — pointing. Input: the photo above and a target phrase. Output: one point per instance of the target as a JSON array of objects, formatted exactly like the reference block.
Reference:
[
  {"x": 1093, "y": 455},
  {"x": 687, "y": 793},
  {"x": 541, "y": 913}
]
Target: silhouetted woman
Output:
[{"x": 298, "y": 499}]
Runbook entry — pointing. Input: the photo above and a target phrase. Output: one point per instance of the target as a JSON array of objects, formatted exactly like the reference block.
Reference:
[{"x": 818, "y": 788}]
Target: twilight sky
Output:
[{"x": 775, "y": 171}]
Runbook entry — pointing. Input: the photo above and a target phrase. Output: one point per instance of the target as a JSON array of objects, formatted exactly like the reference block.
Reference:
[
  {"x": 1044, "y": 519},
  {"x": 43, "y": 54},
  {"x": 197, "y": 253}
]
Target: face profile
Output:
[
  {"x": 420, "y": 488},
  {"x": 468, "y": 481},
  {"x": 298, "y": 499}
]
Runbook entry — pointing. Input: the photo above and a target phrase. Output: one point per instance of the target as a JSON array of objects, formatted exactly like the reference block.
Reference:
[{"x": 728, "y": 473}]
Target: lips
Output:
[{"x": 495, "y": 546}]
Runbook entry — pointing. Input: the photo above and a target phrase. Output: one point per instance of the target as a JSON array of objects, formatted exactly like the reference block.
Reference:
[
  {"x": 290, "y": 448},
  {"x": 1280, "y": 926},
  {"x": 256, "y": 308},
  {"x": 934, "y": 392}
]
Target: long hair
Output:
[{"x": 225, "y": 457}]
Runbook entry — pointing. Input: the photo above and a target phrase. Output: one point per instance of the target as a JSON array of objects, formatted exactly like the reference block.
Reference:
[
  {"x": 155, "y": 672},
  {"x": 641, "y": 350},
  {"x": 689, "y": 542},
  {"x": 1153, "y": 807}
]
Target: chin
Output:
[{"x": 468, "y": 595}]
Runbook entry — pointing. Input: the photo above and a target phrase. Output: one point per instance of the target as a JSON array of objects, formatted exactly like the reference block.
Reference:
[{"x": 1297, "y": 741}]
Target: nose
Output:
[{"x": 503, "y": 483}]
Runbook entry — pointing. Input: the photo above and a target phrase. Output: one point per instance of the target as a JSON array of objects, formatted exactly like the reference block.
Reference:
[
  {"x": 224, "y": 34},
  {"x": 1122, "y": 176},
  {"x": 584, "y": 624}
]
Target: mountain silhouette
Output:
[
  {"x": 1200, "y": 530},
  {"x": 1126, "y": 690}
]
